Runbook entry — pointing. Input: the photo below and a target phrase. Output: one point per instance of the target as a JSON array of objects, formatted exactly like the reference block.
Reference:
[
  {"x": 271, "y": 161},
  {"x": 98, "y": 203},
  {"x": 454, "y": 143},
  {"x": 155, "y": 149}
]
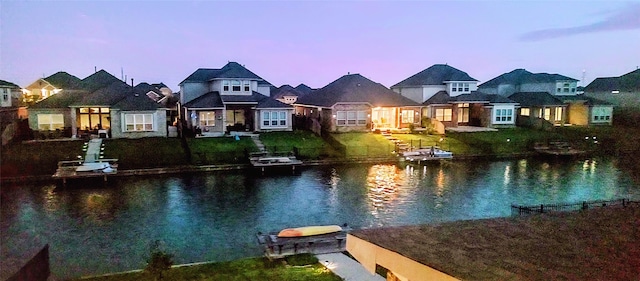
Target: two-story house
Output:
[
  {"x": 11, "y": 106},
  {"x": 286, "y": 94},
  {"x": 540, "y": 91},
  {"x": 232, "y": 98},
  {"x": 355, "y": 103},
  {"x": 450, "y": 99},
  {"x": 622, "y": 91}
]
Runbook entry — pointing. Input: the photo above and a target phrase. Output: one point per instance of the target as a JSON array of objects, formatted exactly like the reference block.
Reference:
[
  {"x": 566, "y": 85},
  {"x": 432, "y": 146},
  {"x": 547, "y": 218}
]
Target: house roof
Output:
[
  {"x": 521, "y": 76},
  {"x": 285, "y": 91},
  {"x": 60, "y": 100},
  {"x": 593, "y": 244},
  {"x": 98, "y": 80},
  {"x": 208, "y": 100},
  {"x": 105, "y": 96},
  {"x": 441, "y": 97},
  {"x": 272, "y": 103},
  {"x": 536, "y": 99},
  {"x": 159, "y": 85},
  {"x": 231, "y": 70},
  {"x": 629, "y": 82},
  {"x": 304, "y": 89},
  {"x": 8, "y": 84},
  {"x": 145, "y": 88},
  {"x": 436, "y": 74},
  {"x": 355, "y": 88},
  {"x": 586, "y": 99},
  {"x": 63, "y": 80},
  {"x": 135, "y": 100}
]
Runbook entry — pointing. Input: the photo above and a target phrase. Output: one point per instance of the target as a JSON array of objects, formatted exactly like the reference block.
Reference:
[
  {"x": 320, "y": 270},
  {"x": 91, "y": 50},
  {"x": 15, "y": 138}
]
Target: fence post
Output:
[
  {"x": 541, "y": 208},
  {"x": 623, "y": 203},
  {"x": 584, "y": 205}
]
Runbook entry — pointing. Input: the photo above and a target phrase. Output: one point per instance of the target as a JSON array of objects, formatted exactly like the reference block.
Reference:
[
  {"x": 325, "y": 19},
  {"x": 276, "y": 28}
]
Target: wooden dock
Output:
[
  {"x": 69, "y": 170},
  {"x": 264, "y": 161},
  {"x": 279, "y": 247}
]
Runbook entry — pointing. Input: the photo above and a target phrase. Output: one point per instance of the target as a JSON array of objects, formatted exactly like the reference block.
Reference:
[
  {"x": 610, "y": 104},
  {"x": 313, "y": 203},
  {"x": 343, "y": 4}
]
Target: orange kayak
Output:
[{"x": 309, "y": 230}]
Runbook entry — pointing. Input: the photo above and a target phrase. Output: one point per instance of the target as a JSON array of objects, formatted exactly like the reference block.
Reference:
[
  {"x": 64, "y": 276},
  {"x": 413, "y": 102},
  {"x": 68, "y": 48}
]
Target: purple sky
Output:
[{"x": 292, "y": 42}]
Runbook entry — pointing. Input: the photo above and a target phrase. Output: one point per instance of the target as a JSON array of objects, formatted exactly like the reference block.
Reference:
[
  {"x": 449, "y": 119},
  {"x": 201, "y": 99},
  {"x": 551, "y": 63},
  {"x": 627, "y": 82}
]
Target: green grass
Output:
[
  {"x": 307, "y": 144},
  {"x": 37, "y": 158},
  {"x": 365, "y": 144},
  {"x": 245, "y": 269},
  {"x": 145, "y": 152},
  {"x": 208, "y": 151}
]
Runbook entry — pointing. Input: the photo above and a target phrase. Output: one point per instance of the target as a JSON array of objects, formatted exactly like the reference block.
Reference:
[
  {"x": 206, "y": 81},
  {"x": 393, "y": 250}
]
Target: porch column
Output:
[{"x": 74, "y": 123}]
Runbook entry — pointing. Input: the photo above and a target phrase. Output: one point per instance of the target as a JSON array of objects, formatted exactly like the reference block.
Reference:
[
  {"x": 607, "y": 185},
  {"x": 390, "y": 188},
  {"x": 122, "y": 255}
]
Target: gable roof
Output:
[
  {"x": 521, "y": 76},
  {"x": 355, "y": 88},
  {"x": 8, "y": 84},
  {"x": 536, "y": 99},
  {"x": 285, "y": 91},
  {"x": 208, "y": 100},
  {"x": 304, "y": 89},
  {"x": 231, "y": 70},
  {"x": 98, "y": 80},
  {"x": 585, "y": 99},
  {"x": 592, "y": 244},
  {"x": 60, "y": 100},
  {"x": 436, "y": 74},
  {"x": 629, "y": 82},
  {"x": 105, "y": 96},
  {"x": 63, "y": 80},
  {"x": 441, "y": 97},
  {"x": 145, "y": 88},
  {"x": 135, "y": 100}
]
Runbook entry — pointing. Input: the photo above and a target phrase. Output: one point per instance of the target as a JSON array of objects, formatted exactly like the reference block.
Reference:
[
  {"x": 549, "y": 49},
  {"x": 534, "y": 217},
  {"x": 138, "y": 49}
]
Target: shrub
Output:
[{"x": 158, "y": 262}]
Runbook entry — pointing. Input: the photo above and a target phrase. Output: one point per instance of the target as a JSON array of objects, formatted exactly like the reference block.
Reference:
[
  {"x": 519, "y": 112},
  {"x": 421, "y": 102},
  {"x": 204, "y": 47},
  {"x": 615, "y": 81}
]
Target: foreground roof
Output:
[
  {"x": 215, "y": 100},
  {"x": 355, "y": 88},
  {"x": 521, "y": 76},
  {"x": 436, "y": 74},
  {"x": 629, "y": 82},
  {"x": 595, "y": 244}
]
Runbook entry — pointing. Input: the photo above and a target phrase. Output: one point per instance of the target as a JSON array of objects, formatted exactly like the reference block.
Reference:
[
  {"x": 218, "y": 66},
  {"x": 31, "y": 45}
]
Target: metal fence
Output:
[{"x": 584, "y": 205}]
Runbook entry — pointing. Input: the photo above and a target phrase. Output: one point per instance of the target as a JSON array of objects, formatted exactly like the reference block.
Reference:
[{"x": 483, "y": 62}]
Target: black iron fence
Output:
[{"x": 584, "y": 205}]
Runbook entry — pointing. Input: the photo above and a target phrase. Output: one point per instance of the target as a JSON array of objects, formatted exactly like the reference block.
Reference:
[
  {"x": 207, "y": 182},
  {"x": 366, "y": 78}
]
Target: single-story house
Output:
[
  {"x": 537, "y": 106},
  {"x": 471, "y": 109},
  {"x": 355, "y": 103}
]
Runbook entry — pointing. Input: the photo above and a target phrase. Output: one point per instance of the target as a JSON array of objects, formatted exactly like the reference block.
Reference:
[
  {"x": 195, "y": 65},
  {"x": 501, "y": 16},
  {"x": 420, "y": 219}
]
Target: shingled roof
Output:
[
  {"x": 106, "y": 95},
  {"x": 63, "y": 80},
  {"x": 629, "y": 82},
  {"x": 521, "y": 76},
  {"x": 536, "y": 99},
  {"x": 208, "y": 100},
  {"x": 231, "y": 70},
  {"x": 442, "y": 97},
  {"x": 8, "y": 84},
  {"x": 304, "y": 89},
  {"x": 284, "y": 91},
  {"x": 594, "y": 244},
  {"x": 436, "y": 74},
  {"x": 355, "y": 88},
  {"x": 98, "y": 80}
]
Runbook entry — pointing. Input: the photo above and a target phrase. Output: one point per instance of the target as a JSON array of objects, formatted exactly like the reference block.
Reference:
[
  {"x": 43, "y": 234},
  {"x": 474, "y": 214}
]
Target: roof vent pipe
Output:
[{"x": 131, "y": 82}]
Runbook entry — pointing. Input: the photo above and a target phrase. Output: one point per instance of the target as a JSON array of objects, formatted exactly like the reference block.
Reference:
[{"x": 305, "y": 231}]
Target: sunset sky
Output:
[{"x": 316, "y": 42}]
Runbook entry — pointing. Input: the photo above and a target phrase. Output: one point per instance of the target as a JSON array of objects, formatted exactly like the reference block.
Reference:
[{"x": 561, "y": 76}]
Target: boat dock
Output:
[
  {"x": 279, "y": 247},
  {"x": 262, "y": 161},
  {"x": 91, "y": 166}
]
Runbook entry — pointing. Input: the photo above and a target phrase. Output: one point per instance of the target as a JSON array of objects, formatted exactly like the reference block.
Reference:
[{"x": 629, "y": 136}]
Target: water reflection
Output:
[{"x": 383, "y": 182}]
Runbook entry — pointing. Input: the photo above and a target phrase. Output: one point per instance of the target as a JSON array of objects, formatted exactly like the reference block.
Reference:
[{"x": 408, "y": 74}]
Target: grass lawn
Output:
[
  {"x": 37, "y": 158},
  {"x": 365, "y": 144},
  {"x": 208, "y": 151},
  {"x": 255, "y": 269},
  {"x": 145, "y": 152},
  {"x": 308, "y": 145}
]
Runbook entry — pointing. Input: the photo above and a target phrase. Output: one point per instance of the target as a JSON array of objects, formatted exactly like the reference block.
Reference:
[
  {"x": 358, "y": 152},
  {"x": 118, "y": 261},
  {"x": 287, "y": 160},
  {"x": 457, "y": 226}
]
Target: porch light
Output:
[{"x": 334, "y": 116}]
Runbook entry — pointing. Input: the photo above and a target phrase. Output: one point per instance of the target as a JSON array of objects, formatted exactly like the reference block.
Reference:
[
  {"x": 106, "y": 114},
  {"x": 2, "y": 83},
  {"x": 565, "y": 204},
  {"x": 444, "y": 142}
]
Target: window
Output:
[
  {"x": 547, "y": 113},
  {"x": 138, "y": 122},
  {"x": 463, "y": 112},
  {"x": 601, "y": 114},
  {"x": 460, "y": 87},
  {"x": 351, "y": 118},
  {"x": 525, "y": 111},
  {"x": 225, "y": 86},
  {"x": 443, "y": 114},
  {"x": 5, "y": 97},
  {"x": 207, "y": 118},
  {"x": 235, "y": 86},
  {"x": 247, "y": 86},
  {"x": 50, "y": 122},
  {"x": 274, "y": 119},
  {"x": 558, "y": 114},
  {"x": 504, "y": 115},
  {"x": 408, "y": 116}
]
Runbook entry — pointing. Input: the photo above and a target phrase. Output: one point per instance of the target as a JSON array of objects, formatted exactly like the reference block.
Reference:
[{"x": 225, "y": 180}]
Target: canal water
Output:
[{"x": 214, "y": 217}]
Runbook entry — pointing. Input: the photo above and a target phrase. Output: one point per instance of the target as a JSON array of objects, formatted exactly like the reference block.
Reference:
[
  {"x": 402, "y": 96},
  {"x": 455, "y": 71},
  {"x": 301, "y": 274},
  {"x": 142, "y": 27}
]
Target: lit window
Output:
[
  {"x": 362, "y": 118},
  {"x": 443, "y": 114},
  {"x": 207, "y": 118},
  {"x": 408, "y": 116},
  {"x": 49, "y": 122},
  {"x": 341, "y": 118},
  {"x": 463, "y": 112},
  {"x": 138, "y": 122},
  {"x": 558, "y": 114},
  {"x": 351, "y": 118},
  {"x": 547, "y": 113},
  {"x": 524, "y": 111}
]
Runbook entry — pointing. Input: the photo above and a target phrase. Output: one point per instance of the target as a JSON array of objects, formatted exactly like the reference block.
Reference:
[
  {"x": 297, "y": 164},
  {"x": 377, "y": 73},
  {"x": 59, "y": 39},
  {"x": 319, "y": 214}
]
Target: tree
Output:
[{"x": 158, "y": 261}]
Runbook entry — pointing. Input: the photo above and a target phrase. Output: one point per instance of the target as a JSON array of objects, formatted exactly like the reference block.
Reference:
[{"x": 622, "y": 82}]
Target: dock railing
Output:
[{"x": 584, "y": 205}]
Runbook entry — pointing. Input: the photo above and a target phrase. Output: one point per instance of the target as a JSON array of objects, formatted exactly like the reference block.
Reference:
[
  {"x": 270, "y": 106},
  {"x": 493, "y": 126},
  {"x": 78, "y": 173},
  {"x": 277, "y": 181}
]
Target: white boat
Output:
[{"x": 424, "y": 154}]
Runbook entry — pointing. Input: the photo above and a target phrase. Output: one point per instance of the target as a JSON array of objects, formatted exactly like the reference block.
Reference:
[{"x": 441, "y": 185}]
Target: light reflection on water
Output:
[{"x": 94, "y": 230}]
